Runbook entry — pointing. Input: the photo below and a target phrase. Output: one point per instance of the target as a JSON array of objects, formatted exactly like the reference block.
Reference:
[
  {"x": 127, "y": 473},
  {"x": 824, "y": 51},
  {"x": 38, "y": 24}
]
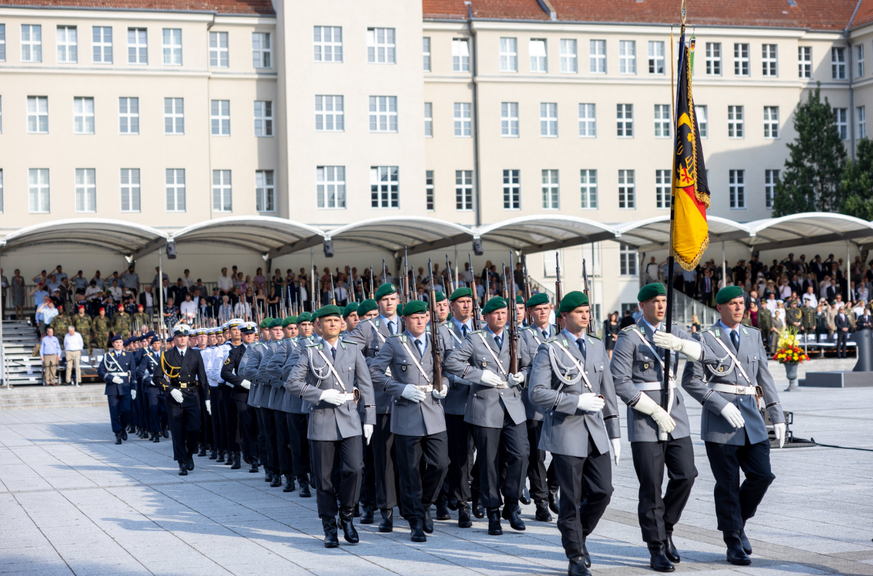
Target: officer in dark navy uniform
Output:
[{"x": 117, "y": 370}]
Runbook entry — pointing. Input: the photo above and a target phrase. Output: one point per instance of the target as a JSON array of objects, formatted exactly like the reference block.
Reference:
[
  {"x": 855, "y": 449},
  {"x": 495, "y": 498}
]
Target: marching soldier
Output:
[
  {"x": 278, "y": 399},
  {"x": 116, "y": 370},
  {"x": 731, "y": 424},
  {"x": 258, "y": 397},
  {"x": 417, "y": 418},
  {"x": 331, "y": 375},
  {"x": 350, "y": 317},
  {"x": 242, "y": 413},
  {"x": 200, "y": 341},
  {"x": 121, "y": 322},
  {"x": 157, "y": 411},
  {"x": 213, "y": 359},
  {"x": 572, "y": 385},
  {"x": 254, "y": 371},
  {"x": 82, "y": 323},
  {"x": 101, "y": 329}
]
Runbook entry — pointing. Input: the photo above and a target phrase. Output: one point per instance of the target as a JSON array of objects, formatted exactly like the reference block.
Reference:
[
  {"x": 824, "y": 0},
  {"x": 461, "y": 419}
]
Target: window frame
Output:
[
  {"x": 380, "y": 117},
  {"x": 134, "y": 190},
  {"x": 771, "y": 179},
  {"x": 841, "y": 121},
  {"x": 662, "y": 125},
  {"x": 569, "y": 50},
  {"x": 381, "y": 51},
  {"x": 736, "y": 122},
  {"x": 38, "y": 188},
  {"x": 713, "y": 58},
  {"x": 335, "y": 116},
  {"x": 838, "y": 63},
  {"x": 460, "y": 60},
  {"x": 737, "y": 189},
  {"x": 463, "y": 190},
  {"x": 628, "y": 260},
  {"x": 175, "y": 116},
  {"x": 430, "y": 205},
  {"x": 702, "y": 119},
  {"x": 37, "y": 114},
  {"x": 140, "y": 49},
  {"x": 428, "y": 119},
  {"x": 426, "y": 53},
  {"x": 624, "y": 116},
  {"x": 327, "y": 189},
  {"x": 84, "y": 116},
  {"x": 663, "y": 189},
  {"x": 511, "y": 189},
  {"x": 222, "y": 118},
  {"x": 859, "y": 60},
  {"x": 597, "y": 56},
  {"x": 861, "y": 115},
  {"x": 627, "y": 189},
  {"x": 321, "y": 47},
  {"x": 34, "y": 46},
  {"x": 509, "y": 120},
  {"x": 627, "y": 59},
  {"x": 220, "y": 53},
  {"x": 88, "y": 190},
  {"x": 101, "y": 46},
  {"x": 264, "y": 124},
  {"x": 551, "y": 188},
  {"x": 385, "y": 194},
  {"x": 262, "y": 50},
  {"x": 462, "y": 115},
  {"x": 742, "y": 66},
  {"x": 128, "y": 114},
  {"x": 655, "y": 58},
  {"x": 171, "y": 52},
  {"x": 548, "y": 119},
  {"x": 770, "y": 60},
  {"x": 804, "y": 62},
  {"x": 588, "y": 121},
  {"x": 265, "y": 191},
  {"x": 70, "y": 48},
  {"x": 176, "y": 186},
  {"x": 771, "y": 124},
  {"x": 588, "y": 189},
  {"x": 508, "y": 48},
  {"x": 539, "y": 63}
]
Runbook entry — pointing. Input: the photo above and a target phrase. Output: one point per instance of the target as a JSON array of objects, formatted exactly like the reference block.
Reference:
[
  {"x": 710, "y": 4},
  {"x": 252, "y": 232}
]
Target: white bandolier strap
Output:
[
  {"x": 736, "y": 362},
  {"x": 493, "y": 355},
  {"x": 564, "y": 378},
  {"x": 347, "y": 397},
  {"x": 417, "y": 364},
  {"x": 671, "y": 382},
  {"x": 731, "y": 389},
  {"x": 332, "y": 371},
  {"x": 653, "y": 386}
]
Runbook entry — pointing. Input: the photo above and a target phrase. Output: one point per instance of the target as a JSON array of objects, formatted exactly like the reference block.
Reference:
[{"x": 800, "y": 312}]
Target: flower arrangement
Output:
[{"x": 787, "y": 349}]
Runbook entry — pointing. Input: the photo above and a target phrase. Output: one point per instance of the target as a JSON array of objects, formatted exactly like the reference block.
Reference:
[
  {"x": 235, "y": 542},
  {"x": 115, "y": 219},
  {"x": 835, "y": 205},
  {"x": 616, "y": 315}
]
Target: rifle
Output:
[
  {"x": 384, "y": 275},
  {"x": 332, "y": 292},
  {"x": 449, "y": 271},
  {"x": 372, "y": 292},
  {"x": 590, "y": 330},
  {"x": 352, "y": 297},
  {"x": 527, "y": 288},
  {"x": 404, "y": 285},
  {"x": 505, "y": 288},
  {"x": 363, "y": 292},
  {"x": 559, "y": 292},
  {"x": 513, "y": 321},
  {"x": 487, "y": 286},
  {"x": 315, "y": 287},
  {"x": 299, "y": 298},
  {"x": 436, "y": 347},
  {"x": 477, "y": 313}
]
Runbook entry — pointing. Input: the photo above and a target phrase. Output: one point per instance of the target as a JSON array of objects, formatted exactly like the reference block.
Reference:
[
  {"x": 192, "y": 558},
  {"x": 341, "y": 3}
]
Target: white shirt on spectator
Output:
[
  {"x": 225, "y": 283},
  {"x": 91, "y": 290},
  {"x": 810, "y": 300},
  {"x": 73, "y": 342},
  {"x": 188, "y": 308},
  {"x": 116, "y": 293}
]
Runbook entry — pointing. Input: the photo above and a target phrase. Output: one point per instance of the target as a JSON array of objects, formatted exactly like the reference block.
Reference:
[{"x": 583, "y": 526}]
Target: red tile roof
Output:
[
  {"x": 864, "y": 14},
  {"x": 244, "y": 7}
]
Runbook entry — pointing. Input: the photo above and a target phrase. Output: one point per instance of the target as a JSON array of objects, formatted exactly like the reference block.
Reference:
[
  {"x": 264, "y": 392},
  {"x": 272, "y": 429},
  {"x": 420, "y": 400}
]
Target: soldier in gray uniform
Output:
[
  {"x": 270, "y": 400},
  {"x": 258, "y": 394},
  {"x": 278, "y": 398},
  {"x": 572, "y": 384},
  {"x": 417, "y": 419},
  {"x": 496, "y": 413},
  {"x": 731, "y": 425},
  {"x": 332, "y": 376},
  {"x": 658, "y": 437}
]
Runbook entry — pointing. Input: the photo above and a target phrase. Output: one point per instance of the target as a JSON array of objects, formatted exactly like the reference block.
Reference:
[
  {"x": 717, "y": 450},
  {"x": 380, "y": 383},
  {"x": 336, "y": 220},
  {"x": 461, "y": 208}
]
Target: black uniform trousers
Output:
[
  {"x": 205, "y": 434},
  {"x": 541, "y": 480},
  {"x": 157, "y": 412},
  {"x": 119, "y": 411},
  {"x": 247, "y": 418},
  {"x": 297, "y": 430},
  {"x": 219, "y": 395},
  {"x": 658, "y": 514},
  {"x": 259, "y": 429},
  {"x": 347, "y": 454},
  {"x": 229, "y": 420},
  {"x": 383, "y": 463},
  {"x": 267, "y": 428},
  {"x": 736, "y": 503},
  {"x": 419, "y": 488},
  {"x": 513, "y": 439},
  {"x": 586, "y": 489},
  {"x": 184, "y": 420},
  {"x": 460, "y": 440},
  {"x": 283, "y": 440}
]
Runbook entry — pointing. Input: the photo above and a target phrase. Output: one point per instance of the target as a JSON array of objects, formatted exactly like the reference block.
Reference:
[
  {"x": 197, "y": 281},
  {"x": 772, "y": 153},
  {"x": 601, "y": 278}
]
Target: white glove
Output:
[
  {"x": 332, "y": 397},
  {"x": 691, "y": 349},
  {"x": 117, "y": 379},
  {"x": 368, "y": 432},
  {"x": 440, "y": 394},
  {"x": 648, "y": 406},
  {"x": 133, "y": 393},
  {"x": 491, "y": 379},
  {"x": 732, "y": 414},
  {"x": 246, "y": 384},
  {"x": 616, "y": 449},
  {"x": 176, "y": 394},
  {"x": 779, "y": 430},
  {"x": 590, "y": 403},
  {"x": 229, "y": 384},
  {"x": 209, "y": 407},
  {"x": 412, "y": 393},
  {"x": 517, "y": 378}
]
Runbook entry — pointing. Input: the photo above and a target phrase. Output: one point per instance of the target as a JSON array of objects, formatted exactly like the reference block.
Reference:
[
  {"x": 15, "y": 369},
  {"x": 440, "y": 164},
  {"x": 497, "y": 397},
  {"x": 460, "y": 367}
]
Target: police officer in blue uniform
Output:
[{"x": 117, "y": 369}]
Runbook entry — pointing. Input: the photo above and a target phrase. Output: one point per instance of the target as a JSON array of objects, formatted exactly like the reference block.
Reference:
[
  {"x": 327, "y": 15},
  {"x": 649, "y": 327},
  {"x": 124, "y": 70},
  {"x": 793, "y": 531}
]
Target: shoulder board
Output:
[
  {"x": 476, "y": 332},
  {"x": 526, "y": 328},
  {"x": 311, "y": 345},
  {"x": 349, "y": 341},
  {"x": 552, "y": 339},
  {"x": 395, "y": 335},
  {"x": 751, "y": 328},
  {"x": 630, "y": 328},
  {"x": 593, "y": 336}
]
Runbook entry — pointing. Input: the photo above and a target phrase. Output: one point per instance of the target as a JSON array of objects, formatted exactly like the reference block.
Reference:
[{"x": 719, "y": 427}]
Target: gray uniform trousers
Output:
[{"x": 459, "y": 433}]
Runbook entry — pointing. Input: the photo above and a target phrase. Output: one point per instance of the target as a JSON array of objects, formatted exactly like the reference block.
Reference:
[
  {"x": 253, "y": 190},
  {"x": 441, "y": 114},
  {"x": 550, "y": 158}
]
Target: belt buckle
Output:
[{"x": 183, "y": 386}]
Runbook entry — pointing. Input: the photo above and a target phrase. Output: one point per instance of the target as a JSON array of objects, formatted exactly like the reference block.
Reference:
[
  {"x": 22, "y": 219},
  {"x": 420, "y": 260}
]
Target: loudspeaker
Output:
[
  {"x": 328, "y": 248},
  {"x": 477, "y": 247},
  {"x": 171, "y": 250}
]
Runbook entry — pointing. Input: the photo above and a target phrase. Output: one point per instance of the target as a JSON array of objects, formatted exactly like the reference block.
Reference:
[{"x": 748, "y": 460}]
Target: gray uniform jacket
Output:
[
  {"x": 566, "y": 429},
  {"x": 408, "y": 418},
  {"x": 370, "y": 335},
  {"x": 272, "y": 393},
  {"x": 459, "y": 389},
  {"x": 533, "y": 337},
  {"x": 486, "y": 404},
  {"x": 713, "y": 426},
  {"x": 329, "y": 423},
  {"x": 248, "y": 370}
]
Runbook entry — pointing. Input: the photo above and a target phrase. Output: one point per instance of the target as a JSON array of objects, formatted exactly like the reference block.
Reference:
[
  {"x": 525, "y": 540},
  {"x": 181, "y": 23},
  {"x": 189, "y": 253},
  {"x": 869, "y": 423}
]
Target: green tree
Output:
[
  {"x": 857, "y": 185},
  {"x": 811, "y": 180}
]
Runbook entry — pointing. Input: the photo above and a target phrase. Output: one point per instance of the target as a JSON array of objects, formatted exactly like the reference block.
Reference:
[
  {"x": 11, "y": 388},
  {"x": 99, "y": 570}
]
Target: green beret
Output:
[
  {"x": 728, "y": 293},
  {"x": 400, "y": 308},
  {"x": 649, "y": 291},
  {"x": 573, "y": 300},
  {"x": 276, "y": 323},
  {"x": 329, "y": 310},
  {"x": 414, "y": 307},
  {"x": 304, "y": 317},
  {"x": 384, "y": 290},
  {"x": 367, "y": 305},
  {"x": 350, "y": 308},
  {"x": 289, "y": 321},
  {"x": 265, "y": 323},
  {"x": 495, "y": 303},
  {"x": 538, "y": 299},
  {"x": 440, "y": 296},
  {"x": 460, "y": 293},
  {"x": 519, "y": 299}
]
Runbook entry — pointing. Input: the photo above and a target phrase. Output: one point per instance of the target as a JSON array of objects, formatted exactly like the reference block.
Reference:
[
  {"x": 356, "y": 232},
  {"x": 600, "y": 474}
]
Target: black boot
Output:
[
  {"x": 367, "y": 516},
  {"x": 268, "y": 476},
  {"x": 586, "y": 557},
  {"x": 442, "y": 508},
  {"x": 190, "y": 462},
  {"x": 156, "y": 438},
  {"x": 478, "y": 512},
  {"x": 253, "y": 467},
  {"x": 747, "y": 546},
  {"x": 659, "y": 561},
  {"x": 553, "y": 500},
  {"x": 464, "y": 520},
  {"x": 124, "y": 434},
  {"x": 166, "y": 432},
  {"x": 183, "y": 469},
  {"x": 349, "y": 532},
  {"x": 416, "y": 530},
  {"x": 330, "y": 536},
  {"x": 387, "y": 524},
  {"x": 277, "y": 480},
  {"x": 494, "y": 528},
  {"x": 220, "y": 457},
  {"x": 118, "y": 437},
  {"x": 357, "y": 512},
  {"x": 512, "y": 513},
  {"x": 228, "y": 458},
  {"x": 304, "y": 488},
  {"x": 735, "y": 553},
  {"x": 427, "y": 521},
  {"x": 236, "y": 463},
  {"x": 543, "y": 511},
  {"x": 670, "y": 550},
  {"x": 578, "y": 567},
  {"x": 525, "y": 496},
  {"x": 202, "y": 451},
  {"x": 289, "y": 484},
  {"x": 214, "y": 455}
]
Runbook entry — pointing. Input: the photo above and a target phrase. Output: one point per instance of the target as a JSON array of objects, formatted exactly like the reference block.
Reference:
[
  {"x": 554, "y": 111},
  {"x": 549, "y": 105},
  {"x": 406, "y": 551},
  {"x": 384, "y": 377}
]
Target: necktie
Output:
[
  {"x": 464, "y": 329},
  {"x": 499, "y": 341},
  {"x": 735, "y": 339},
  {"x": 391, "y": 327},
  {"x": 546, "y": 334},
  {"x": 420, "y": 346},
  {"x": 581, "y": 343},
  {"x": 333, "y": 352}
]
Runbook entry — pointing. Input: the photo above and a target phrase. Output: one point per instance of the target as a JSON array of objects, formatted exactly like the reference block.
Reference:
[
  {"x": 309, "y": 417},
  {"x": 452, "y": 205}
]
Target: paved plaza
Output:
[{"x": 72, "y": 502}]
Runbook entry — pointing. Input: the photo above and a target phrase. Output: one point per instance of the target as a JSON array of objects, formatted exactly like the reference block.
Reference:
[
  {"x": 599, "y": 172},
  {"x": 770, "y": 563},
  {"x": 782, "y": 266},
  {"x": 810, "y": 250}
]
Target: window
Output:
[
  {"x": 425, "y": 48},
  {"x": 626, "y": 190},
  {"x": 218, "y": 50},
  {"x": 735, "y": 121},
  {"x": 130, "y": 190},
  {"x": 551, "y": 190},
  {"x": 663, "y": 184},
  {"x": 428, "y": 189},
  {"x": 128, "y": 115},
  {"x": 662, "y": 120},
  {"x": 597, "y": 56},
  {"x": 741, "y": 59},
  {"x": 172, "y": 46},
  {"x": 842, "y": 122},
  {"x": 463, "y": 122},
  {"x": 569, "y": 57},
  {"x": 328, "y": 43},
  {"x": 83, "y": 115},
  {"x": 329, "y": 114},
  {"x": 31, "y": 43},
  {"x": 769, "y": 60},
  {"x": 137, "y": 46},
  {"x": 175, "y": 190},
  {"x": 37, "y": 115},
  {"x": 265, "y": 191},
  {"x": 512, "y": 189},
  {"x": 702, "y": 120},
  {"x": 538, "y": 58},
  {"x": 509, "y": 119},
  {"x": 68, "y": 49},
  {"x": 588, "y": 187},
  {"x": 263, "y": 118},
  {"x": 656, "y": 57},
  {"x": 220, "y": 117},
  {"x": 380, "y": 46},
  {"x": 460, "y": 55},
  {"x": 771, "y": 122},
  {"x": 861, "y": 113},
  {"x": 330, "y": 186},
  {"x": 627, "y": 258},
  {"x": 548, "y": 119},
  {"x": 222, "y": 192},
  {"x": 463, "y": 189},
  {"x": 384, "y": 187},
  {"x": 383, "y": 113},
  {"x": 2, "y": 59},
  {"x": 86, "y": 190},
  {"x": 625, "y": 120},
  {"x": 804, "y": 62},
  {"x": 859, "y": 61},
  {"x": 713, "y": 58},
  {"x": 101, "y": 44},
  {"x": 737, "y": 189},
  {"x": 587, "y": 121},
  {"x": 174, "y": 116},
  {"x": 38, "y": 190},
  {"x": 771, "y": 178},
  {"x": 838, "y": 63},
  {"x": 627, "y": 57},
  {"x": 428, "y": 119},
  {"x": 509, "y": 55},
  {"x": 262, "y": 52}
]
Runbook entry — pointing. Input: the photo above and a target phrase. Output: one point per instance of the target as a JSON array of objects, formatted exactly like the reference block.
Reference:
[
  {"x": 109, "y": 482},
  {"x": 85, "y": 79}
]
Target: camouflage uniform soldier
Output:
[
  {"x": 60, "y": 323},
  {"x": 82, "y": 322},
  {"x": 101, "y": 330},
  {"x": 121, "y": 323},
  {"x": 765, "y": 322},
  {"x": 141, "y": 319}
]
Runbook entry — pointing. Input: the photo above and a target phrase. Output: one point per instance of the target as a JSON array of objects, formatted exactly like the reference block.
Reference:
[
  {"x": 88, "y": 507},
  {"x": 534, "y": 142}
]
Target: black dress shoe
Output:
[
  {"x": 578, "y": 567},
  {"x": 670, "y": 550},
  {"x": 190, "y": 463},
  {"x": 289, "y": 484},
  {"x": 427, "y": 521},
  {"x": 747, "y": 546},
  {"x": 166, "y": 433},
  {"x": 220, "y": 458},
  {"x": 330, "y": 535},
  {"x": 277, "y": 480},
  {"x": 268, "y": 476},
  {"x": 478, "y": 511},
  {"x": 236, "y": 463},
  {"x": 464, "y": 520},
  {"x": 387, "y": 524},
  {"x": 494, "y": 528},
  {"x": 214, "y": 455},
  {"x": 513, "y": 514},
  {"x": 543, "y": 512},
  {"x": 735, "y": 553},
  {"x": 525, "y": 496},
  {"x": 349, "y": 532},
  {"x": 367, "y": 516},
  {"x": 156, "y": 438},
  {"x": 586, "y": 557},
  {"x": 416, "y": 530},
  {"x": 124, "y": 435},
  {"x": 304, "y": 489},
  {"x": 253, "y": 468},
  {"x": 452, "y": 504},
  {"x": 553, "y": 501},
  {"x": 202, "y": 451},
  {"x": 442, "y": 509},
  {"x": 658, "y": 560},
  {"x": 118, "y": 437},
  {"x": 183, "y": 469}
]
